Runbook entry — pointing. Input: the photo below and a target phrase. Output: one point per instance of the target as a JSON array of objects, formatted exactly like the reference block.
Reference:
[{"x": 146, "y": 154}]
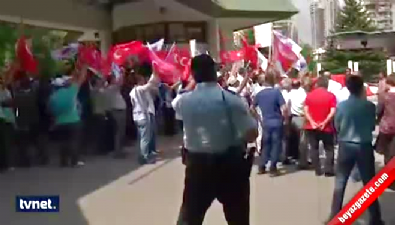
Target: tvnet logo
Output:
[{"x": 37, "y": 203}]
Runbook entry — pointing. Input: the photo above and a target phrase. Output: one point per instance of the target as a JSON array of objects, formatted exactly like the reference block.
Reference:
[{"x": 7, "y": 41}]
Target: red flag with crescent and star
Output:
[
  {"x": 25, "y": 56},
  {"x": 181, "y": 58}
]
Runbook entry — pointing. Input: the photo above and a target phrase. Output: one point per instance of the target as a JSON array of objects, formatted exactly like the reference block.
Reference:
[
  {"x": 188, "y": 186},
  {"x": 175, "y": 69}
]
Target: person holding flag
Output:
[
  {"x": 63, "y": 106},
  {"x": 142, "y": 98}
]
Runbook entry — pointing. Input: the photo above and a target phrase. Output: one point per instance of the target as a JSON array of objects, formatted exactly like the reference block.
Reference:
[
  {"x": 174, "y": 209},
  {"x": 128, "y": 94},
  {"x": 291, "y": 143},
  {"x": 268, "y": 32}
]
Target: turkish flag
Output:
[
  {"x": 167, "y": 72},
  {"x": 119, "y": 54},
  {"x": 340, "y": 78},
  {"x": 91, "y": 57},
  {"x": 27, "y": 61},
  {"x": 181, "y": 59},
  {"x": 250, "y": 54},
  {"x": 228, "y": 57}
]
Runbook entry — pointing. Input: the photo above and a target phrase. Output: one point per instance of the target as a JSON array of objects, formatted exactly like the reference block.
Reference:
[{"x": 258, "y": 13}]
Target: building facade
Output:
[
  {"x": 323, "y": 19},
  {"x": 287, "y": 28},
  {"x": 317, "y": 12},
  {"x": 117, "y": 21},
  {"x": 382, "y": 13}
]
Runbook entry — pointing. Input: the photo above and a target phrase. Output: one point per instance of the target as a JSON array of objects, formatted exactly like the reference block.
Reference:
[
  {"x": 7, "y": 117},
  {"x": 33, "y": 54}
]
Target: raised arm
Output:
[{"x": 80, "y": 75}]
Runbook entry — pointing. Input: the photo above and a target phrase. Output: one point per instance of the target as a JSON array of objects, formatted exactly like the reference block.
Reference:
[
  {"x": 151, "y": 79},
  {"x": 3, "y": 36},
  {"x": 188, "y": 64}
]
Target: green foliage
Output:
[
  {"x": 354, "y": 17},
  {"x": 371, "y": 62},
  {"x": 8, "y": 37},
  {"x": 307, "y": 53},
  {"x": 43, "y": 42}
]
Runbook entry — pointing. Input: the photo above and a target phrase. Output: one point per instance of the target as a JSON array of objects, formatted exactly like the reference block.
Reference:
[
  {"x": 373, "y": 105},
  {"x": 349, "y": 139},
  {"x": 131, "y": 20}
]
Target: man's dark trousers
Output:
[
  {"x": 350, "y": 154},
  {"x": 6, "y": 130},
  {"x": 314, "y": 137},
  {"x": 225, "y": 178}
]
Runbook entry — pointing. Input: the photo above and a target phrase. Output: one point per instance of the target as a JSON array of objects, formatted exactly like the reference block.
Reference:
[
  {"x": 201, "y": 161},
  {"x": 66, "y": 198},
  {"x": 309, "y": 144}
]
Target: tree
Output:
[
  {"x": 371, "y": 62},
  {"x": 354, "y": 17},
  {"x": 307, "y": 53},
  {"x": 43, "y": 42}
]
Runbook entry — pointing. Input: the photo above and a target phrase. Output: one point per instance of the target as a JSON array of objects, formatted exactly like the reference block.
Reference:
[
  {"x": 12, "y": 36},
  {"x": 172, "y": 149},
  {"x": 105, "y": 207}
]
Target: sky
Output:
[{"x": 303, "y": 19}]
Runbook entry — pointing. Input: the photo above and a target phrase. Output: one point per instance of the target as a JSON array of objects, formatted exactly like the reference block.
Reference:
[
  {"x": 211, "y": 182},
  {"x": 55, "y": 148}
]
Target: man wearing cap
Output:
[{"x": 217, "y": 126}]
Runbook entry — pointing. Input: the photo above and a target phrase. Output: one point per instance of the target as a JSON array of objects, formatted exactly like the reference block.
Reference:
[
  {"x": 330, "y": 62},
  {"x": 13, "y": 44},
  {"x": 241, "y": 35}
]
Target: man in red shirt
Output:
[{"x": 320, "y": 108}]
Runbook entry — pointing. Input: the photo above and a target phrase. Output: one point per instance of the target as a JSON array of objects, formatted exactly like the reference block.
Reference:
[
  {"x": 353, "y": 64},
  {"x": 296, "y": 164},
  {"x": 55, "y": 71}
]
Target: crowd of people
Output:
[
  {"x": 294, "y": 117},
  {"x": 226, "y": 116},
  {"x": 82, "y": 113}
]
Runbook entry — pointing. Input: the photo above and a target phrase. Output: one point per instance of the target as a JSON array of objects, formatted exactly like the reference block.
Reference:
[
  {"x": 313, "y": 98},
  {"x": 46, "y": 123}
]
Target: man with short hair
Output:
[
  {"x": 142, "y": 98},
  {"x": 319, "y": 109},
  {"x": 273, "y": 107},
  {"x": 355, "y": 121},
  {"x": 217, "y": 126}
]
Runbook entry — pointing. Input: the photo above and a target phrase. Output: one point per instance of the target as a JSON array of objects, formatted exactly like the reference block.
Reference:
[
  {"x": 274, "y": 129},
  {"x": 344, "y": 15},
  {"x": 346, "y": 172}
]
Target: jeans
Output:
[
  {"x": 147, "y": 136},
  {"x": 349, "y": 155},
  {"x": 273, "y": 141},
  {"x": 119, "y": 119},
  {"x": 314, "y": 137}
]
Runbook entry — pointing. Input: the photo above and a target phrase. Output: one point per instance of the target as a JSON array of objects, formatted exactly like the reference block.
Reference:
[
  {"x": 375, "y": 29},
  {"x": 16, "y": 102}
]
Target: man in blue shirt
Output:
[
  {"x": 272, "y": 105},
  {"x": 355, "y": 121},
  {"x": 217, "y": 126}
]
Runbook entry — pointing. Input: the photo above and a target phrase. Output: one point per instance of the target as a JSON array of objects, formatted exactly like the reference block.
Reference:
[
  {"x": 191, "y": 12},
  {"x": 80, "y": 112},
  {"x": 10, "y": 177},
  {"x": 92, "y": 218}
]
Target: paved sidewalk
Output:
[{"x": 119, "y": 192}]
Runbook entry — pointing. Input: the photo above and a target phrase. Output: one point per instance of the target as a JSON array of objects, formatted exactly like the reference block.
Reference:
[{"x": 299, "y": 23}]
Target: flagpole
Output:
[
  {"x": 170, "y": 50},
  {"x": 271, "y": 46}
]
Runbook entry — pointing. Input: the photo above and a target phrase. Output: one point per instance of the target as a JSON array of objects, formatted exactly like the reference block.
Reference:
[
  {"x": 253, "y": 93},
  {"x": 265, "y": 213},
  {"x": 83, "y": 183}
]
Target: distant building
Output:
[
  {"x": 287, "y": 28},
  {"x": 382, "y": 13},
  {"x": 317, "y": 13}
]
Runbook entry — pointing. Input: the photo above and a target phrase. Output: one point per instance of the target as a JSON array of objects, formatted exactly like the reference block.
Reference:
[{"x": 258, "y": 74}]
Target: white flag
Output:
[
  {"x": 157, "y": 46},
  {"x": 263, "y": 62}
]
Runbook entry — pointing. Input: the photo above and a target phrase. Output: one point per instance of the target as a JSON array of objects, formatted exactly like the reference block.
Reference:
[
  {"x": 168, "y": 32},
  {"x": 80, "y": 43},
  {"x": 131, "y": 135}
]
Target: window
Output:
[
  {"x": 180, "y": 32},
  {"x": 196, "y": 32},
  {"x": 177, "y": 32}
]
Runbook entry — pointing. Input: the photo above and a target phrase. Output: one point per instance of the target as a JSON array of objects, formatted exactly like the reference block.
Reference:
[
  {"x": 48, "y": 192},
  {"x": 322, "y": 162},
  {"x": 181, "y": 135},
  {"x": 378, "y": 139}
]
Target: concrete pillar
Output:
[
  {"x": 105, "y": 41},
  {"x": 213, "y": 38}
]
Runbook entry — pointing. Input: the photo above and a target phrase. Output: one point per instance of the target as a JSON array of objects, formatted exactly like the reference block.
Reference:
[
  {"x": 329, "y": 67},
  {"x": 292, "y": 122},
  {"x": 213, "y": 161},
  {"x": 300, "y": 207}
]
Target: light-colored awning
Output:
[
  {"x": 239, "y": 14},
  {"x": 278, "y": 9}
]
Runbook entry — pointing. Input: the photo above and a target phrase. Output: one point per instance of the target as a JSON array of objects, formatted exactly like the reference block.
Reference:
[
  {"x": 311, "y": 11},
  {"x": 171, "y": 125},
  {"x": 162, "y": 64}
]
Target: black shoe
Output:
[
  {"x": 78, "y": 164},
  {"x": 261, "y": 171},
  {"x": 330, "y": 174},
  {"x": 380, "y": 222},
  {"x": 319, "y": 173},
  {"x": 144, "y": 161},
  {"x": 43, "y": 162},
  {"x": 274, "y": 172},
  {"x": 287, "y": 162},
  {"x": 300, "y": 167},
  {"x": 120, "y": 155}
]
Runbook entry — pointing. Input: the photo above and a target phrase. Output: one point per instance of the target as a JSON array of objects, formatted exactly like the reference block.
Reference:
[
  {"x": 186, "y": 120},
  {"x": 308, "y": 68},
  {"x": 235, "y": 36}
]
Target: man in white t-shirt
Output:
[
  {"x": 117, "y": 109},
  {"x": 342, "y": 95},
  {"x": 333, "y": 86},
  {"x": 144, "y": 111},
  {"x": 296, "y": 145}
]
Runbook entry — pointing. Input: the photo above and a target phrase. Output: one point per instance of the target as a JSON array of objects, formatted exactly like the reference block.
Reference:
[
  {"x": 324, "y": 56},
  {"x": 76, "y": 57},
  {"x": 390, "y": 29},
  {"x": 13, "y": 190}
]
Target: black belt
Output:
[{"x": 232, "y": 154}]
